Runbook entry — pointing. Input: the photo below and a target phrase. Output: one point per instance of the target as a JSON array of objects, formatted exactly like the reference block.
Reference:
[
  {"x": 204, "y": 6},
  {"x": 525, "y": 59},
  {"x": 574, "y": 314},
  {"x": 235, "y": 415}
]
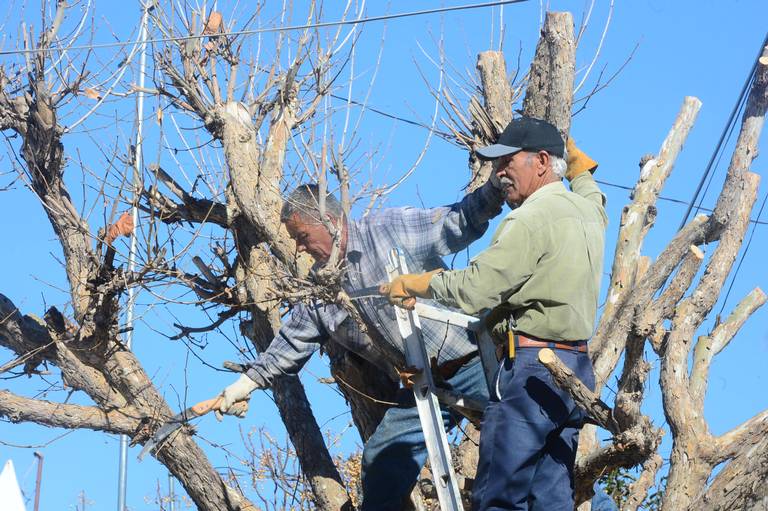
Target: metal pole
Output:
[
  {"x": 171, "y": 494},
  {"x": 39, "y": 479},
  {"x": 123, "y": 468}
]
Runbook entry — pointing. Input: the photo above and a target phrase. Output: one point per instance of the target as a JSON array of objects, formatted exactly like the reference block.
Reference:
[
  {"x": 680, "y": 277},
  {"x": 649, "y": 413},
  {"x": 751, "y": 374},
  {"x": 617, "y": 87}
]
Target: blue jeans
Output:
[
  {"x": 529, "y": 436},
  {"x": 395, "y": 453}
]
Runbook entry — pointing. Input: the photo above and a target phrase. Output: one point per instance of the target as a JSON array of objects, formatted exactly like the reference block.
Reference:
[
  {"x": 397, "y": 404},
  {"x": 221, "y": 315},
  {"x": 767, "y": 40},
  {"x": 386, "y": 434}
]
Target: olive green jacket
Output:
[{"x": 543, "y": 266}]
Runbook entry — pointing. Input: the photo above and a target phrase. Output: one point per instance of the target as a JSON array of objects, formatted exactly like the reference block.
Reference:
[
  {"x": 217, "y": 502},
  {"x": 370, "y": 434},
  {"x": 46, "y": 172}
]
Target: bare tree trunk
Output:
[
  {"x": 550, "y": 81},
  {"x": 90, "y": 355}
]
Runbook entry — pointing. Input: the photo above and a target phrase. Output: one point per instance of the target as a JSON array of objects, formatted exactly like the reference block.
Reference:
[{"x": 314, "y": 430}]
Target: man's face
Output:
[
  {"x": 311, "y": 236},
  {"x": 519, "y": 174}
]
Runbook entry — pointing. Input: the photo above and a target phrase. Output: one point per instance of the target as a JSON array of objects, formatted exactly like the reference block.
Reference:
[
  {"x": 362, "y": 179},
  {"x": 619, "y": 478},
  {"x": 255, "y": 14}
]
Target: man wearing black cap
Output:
[{"x": 540, "y": 277}]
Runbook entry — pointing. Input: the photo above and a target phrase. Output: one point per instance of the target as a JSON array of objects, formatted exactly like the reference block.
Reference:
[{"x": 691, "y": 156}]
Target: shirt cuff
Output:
[
  {"x": 438, "y": 290},
  {"x": 493, "y": 198},
  {"x": 257, "y": 377}
]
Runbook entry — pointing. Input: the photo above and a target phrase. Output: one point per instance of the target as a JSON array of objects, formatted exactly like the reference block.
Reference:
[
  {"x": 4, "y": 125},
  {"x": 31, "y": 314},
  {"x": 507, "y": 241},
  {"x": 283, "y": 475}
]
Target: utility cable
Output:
[
  {"x": 719, "y": 158},
  {"x": 323, "y": 24},
  {"x": 668, "y": 199},
  {"x": 364, "y": 106},
  {"x": 726, "y": 129},
  {"x": 743, "y": 255}
]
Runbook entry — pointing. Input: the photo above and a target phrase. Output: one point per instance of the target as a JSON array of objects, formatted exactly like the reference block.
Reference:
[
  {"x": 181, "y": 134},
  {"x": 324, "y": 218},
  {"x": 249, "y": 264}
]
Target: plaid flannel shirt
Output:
[{"x": 424, "y": 236}]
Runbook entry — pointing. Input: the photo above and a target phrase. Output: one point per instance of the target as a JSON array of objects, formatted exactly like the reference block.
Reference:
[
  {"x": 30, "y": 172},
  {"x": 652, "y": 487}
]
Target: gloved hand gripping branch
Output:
[{"x": 578, "y": 161}]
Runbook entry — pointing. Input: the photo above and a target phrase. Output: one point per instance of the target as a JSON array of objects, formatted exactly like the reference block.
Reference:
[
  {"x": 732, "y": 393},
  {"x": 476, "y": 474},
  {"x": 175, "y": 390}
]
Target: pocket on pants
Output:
[{"x": 504, "y": 373}]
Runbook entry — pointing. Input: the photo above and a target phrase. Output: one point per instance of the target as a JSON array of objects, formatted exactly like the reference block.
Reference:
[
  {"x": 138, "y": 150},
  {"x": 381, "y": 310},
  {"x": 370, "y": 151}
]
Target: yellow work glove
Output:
[
  {"x": 404, "y": 290},
  {"x": 578, "y": 162}
]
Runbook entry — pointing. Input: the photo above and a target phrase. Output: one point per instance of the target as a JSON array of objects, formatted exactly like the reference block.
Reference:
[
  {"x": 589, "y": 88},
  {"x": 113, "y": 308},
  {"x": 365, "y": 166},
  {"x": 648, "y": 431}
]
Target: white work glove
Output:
[{"x": 234, "y": 398}]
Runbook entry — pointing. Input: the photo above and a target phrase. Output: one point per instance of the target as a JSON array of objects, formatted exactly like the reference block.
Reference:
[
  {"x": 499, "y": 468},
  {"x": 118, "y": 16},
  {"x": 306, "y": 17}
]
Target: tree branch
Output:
[
  {"x": 550, "y": 80},
  {"x": 636, "y": 220},
  {"x": 638, "y": 490},
  {"x": 585, "y": 398},
  {"x": 20, "y": 409},
  {"x": 732, "y": 443},
  {"x": 710, "y": 345}
]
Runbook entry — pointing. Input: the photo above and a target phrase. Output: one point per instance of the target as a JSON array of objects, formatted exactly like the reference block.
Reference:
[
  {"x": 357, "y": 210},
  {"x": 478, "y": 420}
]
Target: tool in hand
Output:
[
  {"x": 476, "y": 327},
  {"x": 177, "y": 421}
]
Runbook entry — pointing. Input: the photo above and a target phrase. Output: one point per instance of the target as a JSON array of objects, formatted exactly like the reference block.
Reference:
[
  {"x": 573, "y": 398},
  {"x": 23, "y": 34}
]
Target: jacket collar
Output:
[{"x": 544, "y": 191}]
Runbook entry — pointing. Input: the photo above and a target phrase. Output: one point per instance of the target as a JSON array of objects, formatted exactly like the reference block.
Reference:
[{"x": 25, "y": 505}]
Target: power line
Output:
[
  {"x": 743, "y": 255},
  {"x": 447, "y": 136},
  {"x": 726, "y": 130},
  {"x": 324, "y": 24},
  {"x": 365, "y": 106},
  {"x": 669, "y": 199}
]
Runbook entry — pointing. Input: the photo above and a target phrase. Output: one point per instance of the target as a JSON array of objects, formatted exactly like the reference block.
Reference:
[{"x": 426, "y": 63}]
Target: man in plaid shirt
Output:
[{"x": 395, "y": 453}]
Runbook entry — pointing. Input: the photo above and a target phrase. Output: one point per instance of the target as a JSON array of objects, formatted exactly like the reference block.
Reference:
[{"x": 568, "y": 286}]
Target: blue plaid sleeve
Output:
[
  {"x": 299, "y": 337},
  {"x": 426, "y": 233}
]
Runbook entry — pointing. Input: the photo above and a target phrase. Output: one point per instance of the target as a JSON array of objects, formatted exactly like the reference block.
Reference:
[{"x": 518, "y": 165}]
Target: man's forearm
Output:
[
  {"x": 485, "y": 203},
  {"x": 584, "y": 184}
]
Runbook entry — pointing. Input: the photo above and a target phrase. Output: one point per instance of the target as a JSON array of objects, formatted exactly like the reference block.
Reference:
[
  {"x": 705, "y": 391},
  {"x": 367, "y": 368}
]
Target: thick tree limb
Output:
[
  {"x": 20, "y": 333},
  {"x": 549, "y": 94},
  {"x": 630, "y": 446},
  {"x": 182, "y": 456},
  {"x": 23, "y": 334},
  {"x": 585, "y": 398},
  {"x": 550, "y": 80},
  {"x": 663, "y": 307},
  {"x": 190, "y": 209},
  {"x": 290, "y": 398},
  {"x": 710, "y": 345},
  {"x": 491, "y": 119},
  {"x": 20, "y": 409},
  {"x": 746, "y": 145},
  {"x": 635, "y": 372},
  {"x": 688, "y": 470},
  {"x": 627, "y": 449},
  {"x": 13, "y": 111},
  {"x": 43, "y": 153},
  {"x": 739, "y": 439},
  {"x": 689, "y": 315},
  {"x": 632, "y": 383},
  {"x": 637, "y": 219},
  {"x": 638, "y": 490},
  {"x": 740, "y": 485},
  {"x": 694, "y": 233},
  {"x": 497, "y": 92},
  {"x": 255, "y": 185}
]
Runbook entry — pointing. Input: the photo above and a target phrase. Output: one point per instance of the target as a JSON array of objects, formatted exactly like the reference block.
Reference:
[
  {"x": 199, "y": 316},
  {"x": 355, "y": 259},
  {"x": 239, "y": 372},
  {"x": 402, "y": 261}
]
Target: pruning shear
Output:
[
  {"x": 366, "y": 292},
  {"x": 194, "y": 411}
]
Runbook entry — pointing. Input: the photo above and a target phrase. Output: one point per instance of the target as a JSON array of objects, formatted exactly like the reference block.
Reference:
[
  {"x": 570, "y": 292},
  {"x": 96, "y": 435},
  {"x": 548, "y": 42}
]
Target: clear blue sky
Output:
[{"x": 703, "y": 49}]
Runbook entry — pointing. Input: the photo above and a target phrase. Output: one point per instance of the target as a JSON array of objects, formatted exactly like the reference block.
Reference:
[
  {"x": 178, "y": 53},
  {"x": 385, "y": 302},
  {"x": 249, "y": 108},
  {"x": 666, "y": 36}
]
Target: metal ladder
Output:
[{"x": 426, "y": 400}]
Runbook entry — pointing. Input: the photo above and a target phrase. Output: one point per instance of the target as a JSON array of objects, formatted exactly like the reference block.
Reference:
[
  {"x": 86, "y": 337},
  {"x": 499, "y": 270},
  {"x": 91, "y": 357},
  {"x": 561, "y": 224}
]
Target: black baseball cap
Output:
[{"x": 525, "y": 133}]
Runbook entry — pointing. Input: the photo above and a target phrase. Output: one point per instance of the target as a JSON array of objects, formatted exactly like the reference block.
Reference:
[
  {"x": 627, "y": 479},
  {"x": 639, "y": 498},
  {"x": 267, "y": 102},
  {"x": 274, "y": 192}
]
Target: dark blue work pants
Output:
[{"x": 529, "y": 436}]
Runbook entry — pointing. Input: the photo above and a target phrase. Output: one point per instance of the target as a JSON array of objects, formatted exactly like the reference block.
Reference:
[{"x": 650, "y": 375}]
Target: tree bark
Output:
[{"x": 550, "y": 80}]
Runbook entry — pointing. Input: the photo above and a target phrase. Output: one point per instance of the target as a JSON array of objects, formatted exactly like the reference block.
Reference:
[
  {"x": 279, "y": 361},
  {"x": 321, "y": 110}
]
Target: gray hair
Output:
[
  {"x": 304, "y": 201},
  {"x": 559, "y": 165}
]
